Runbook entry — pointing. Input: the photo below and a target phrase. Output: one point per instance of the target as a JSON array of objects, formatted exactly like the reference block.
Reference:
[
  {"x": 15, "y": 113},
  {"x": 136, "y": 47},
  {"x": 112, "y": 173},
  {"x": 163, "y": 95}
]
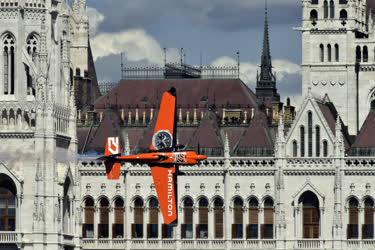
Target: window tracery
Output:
[{"x": 9, "y": 63}]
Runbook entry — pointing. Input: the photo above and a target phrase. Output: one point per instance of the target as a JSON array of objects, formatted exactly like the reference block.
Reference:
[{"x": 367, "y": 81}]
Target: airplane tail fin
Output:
[{"x": 113, "y": 167}]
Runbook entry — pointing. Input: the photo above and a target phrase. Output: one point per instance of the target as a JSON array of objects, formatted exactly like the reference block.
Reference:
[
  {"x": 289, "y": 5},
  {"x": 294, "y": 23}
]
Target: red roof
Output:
[
  {"x": 257, "y": 134},
  {"x": 192, "y": 93},
  {"x": 366, "y": 137}
]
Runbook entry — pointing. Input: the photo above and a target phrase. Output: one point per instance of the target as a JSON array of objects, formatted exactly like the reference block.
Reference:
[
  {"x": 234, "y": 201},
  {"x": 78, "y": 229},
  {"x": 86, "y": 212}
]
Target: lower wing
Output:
[
  {"x": 165, "y": 180},
  {"x": 112, "y": 169}
]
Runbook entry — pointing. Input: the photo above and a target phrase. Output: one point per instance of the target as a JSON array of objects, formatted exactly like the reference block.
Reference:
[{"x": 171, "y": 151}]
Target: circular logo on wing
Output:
[{"x": 162, "y": 140}]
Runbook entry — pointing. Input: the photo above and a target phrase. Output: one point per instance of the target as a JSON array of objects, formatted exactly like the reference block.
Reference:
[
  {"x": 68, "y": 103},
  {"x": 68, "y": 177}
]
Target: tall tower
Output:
[
  {"x": 266, "y": 90},
  {"x": 338, "y": 58},
  {"x": 38, "y": 124}
]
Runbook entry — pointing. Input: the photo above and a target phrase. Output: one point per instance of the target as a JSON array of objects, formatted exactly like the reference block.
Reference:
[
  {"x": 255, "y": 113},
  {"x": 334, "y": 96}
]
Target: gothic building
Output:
[
  {"x": 339, "y": 56},
  {"x": 274, "y": 179},
  {"x": 39, "y": 178}
]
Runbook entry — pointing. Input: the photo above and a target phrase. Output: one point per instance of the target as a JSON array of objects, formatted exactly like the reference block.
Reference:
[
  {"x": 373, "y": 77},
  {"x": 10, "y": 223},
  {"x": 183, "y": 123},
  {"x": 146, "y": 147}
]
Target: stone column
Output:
[
  {"x": 1, "y": 71},
  {"x": 211, "y": 223},
  {"x": 110, "y": 221},
  {"x": 127, "y": 232},
  {"x": 160, "y": 225},
  {"x": 145, "y": 221},
  {"x": 96, "y": 222},
  {"x": 360, "y": 221}
]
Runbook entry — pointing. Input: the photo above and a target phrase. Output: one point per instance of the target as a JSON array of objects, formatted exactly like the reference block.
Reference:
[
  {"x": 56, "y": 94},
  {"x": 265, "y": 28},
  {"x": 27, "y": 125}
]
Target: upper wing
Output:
[
  {"x": 165, "y": 129},
  {"x": 165, "y": 184}
]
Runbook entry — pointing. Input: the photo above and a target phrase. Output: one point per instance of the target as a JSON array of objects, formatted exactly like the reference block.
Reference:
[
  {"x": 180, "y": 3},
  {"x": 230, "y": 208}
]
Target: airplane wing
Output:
[
  {"x": 164, "y": 139},
  {"x": 165, "y": 180},
  {"x": 164, "y": 136}
]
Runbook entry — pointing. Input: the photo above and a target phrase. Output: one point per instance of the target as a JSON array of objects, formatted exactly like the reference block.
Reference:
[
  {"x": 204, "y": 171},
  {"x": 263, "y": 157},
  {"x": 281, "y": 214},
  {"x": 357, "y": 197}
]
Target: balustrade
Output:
[
  {"x": 206, "y": 244},
  {"x": 309, "y": 244},
  {"x": 9, "y": 237},
  {"x": 27, "y": 3}
]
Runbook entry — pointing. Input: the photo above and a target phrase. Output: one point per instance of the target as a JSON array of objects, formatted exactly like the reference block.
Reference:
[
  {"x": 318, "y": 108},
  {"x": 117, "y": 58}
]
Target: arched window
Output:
[
  {"x": 310, "y": 215},
  {"x": 187, "y": 226},
  {"x": 78, "y": 72},
  {"x": 8, "y": 194},
  {"x": 267, "y": 227},
  {"x": 325, "y": 148},
  {"x": 252, "y": 228},
  {"x": 103, "y": 229},
  {"x": 329, "y": 53},
  {"x": 368, "y": 225},
  {"x": 302, "y": 134},
  {"x": 325, "y": 7},
  {"x": 337, "y": 53},
  {"x": 317, "y": 141},
  {"x": 66, "y": 206},
  {"x": 32, "y": 47},
  {"x": 365, "y": 54},
  {"x": 321, "y": 53},
  {"x": 153, "y": 219},
  {"x": 88, "y": 226},
  {"x": 343, "y": 15},
  {"x": 343, "y": 2},
  {"x": 313, "y": 15},
  {"x": 118, "y": 226},
  {"x": 314, "y": 1},
  {"x": 310, "y": 133},
  {"x": 372, "y": 105},
  {"x": 9, "y": 64},
  {"x": 237, "y": 226},
  {"x": 137, "y": 226},
  {"x": 358, "y": 54},
  {"x": 202, "y": 227},
  {"x": 219, "y": 218},
  {"x": 353, "y": 219},
  {"x": 295, "y": 149},
  {"x": 332, "y": 9}
]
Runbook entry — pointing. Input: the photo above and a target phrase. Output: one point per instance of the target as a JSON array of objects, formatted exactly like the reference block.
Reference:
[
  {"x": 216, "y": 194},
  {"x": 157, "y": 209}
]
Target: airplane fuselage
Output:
[{"x": 164, "y": 158}]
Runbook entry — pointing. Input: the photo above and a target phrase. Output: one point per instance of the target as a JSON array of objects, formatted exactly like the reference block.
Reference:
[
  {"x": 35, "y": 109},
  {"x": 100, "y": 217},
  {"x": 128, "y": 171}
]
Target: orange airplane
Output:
[{"x": 163, "y": 158}]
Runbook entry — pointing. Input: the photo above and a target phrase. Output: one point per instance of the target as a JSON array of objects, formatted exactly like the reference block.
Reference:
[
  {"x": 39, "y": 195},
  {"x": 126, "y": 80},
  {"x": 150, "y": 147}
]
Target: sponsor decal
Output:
[
  {"x": 162, "y": 140},
  {"x": 180, "y": 157},
  {"x": 113, "y": 145},
  {"x": 170, "y": 193}
]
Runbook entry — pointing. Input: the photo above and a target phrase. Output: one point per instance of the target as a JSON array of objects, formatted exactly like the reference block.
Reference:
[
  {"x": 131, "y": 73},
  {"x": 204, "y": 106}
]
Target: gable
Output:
[{"x": 319, "y": 129}]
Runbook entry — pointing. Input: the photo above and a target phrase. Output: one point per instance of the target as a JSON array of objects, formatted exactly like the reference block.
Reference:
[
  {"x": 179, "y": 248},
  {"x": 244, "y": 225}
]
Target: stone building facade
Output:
[
  {"x": 338, "y": 40},
  {"x": 274, "y": 179},
  {"x": 38, "y": 172}
]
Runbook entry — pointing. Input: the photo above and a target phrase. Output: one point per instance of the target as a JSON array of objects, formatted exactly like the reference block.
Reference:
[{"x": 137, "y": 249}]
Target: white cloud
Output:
[
  {"x": 284, "y": 67},
  {"x": 135, "y": 43},
  {"x": 95, "y": 19},
  {"x": 248, "y": 70}
]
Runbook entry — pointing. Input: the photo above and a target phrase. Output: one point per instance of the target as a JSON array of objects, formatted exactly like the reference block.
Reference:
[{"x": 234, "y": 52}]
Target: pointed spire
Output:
[
  {"x": 266, "y": 64},
  {"x": 226, "y": 146},
  {"x": 127, "y": 144},
  {"x": 339, "y": 141}
]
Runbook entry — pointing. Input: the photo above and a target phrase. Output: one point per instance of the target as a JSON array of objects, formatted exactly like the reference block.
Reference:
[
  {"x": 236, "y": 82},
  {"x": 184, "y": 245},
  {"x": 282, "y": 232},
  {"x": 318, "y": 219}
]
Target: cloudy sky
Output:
[{"x": 213, "y": 29}]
